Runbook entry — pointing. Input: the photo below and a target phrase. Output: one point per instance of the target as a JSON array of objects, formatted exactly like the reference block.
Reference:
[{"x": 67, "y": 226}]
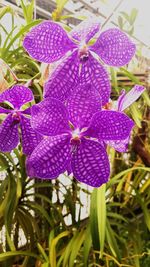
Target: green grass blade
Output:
[{"x": 101, "y": 215}]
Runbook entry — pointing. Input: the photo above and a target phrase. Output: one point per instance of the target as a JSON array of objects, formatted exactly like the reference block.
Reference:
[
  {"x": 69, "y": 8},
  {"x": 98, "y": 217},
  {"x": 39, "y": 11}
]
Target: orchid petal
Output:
[
  {"x": 50, "y": 158},
  {"x": 47, "y": 42},
  {"x": 50, "y": 117},
  {"x": 119, "y": 145},
  {"x": 82, "y": 105},
  {"x": 114, "y": 47},
  {"x": 27, "y": 111},
  {"x": 30, "y": 138},
  {"x": 4, "y": 110},
  {"x": 90, "y": 164},
  {"x": 64, "y": 78},
  {"x": 110, "y": 125},
  {"x": 94, "y": 73},
  {"x": 85, "y": 30},
  {"x": 17, "y": 95},
  {"x": 9, "y": 136},
  {"x": 125, "y": 100},
  {"x": 69, "y": 169}
]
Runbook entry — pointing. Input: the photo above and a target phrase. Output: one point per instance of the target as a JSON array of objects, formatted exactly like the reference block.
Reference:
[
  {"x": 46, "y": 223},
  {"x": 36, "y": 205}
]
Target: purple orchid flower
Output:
[
  {"x": 123, "y": 102},
  {"x": 80, "y": 62},
  {"x": 74, "y": 137},
  {"x": 17, "y": 96}
]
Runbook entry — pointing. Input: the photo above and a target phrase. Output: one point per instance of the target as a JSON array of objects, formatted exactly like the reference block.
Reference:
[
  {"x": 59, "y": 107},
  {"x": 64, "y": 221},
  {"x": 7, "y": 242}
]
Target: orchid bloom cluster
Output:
[{"x": 70, "y": 128}]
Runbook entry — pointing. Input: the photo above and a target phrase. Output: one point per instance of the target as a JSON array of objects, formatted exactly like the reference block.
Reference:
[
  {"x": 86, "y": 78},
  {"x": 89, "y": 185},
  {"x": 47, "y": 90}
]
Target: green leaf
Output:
[
  {"x": 125, "y": 15},
  {"x": 76, "y": 247},
  {"x": 144, "y": 208},
  {"x": 120, "y": 22},
  {"x": 115, "y": 178},
  {"x": 9, "y": 212},
  {"x": 41, "y": 250},
  {"x": 5, "y": 10},
  {"x": 9, "y": 37},
  {"x": 18, "y": 35},
  {"x": 131, "y": 31},
  {"x": 146, "y": 97},
  {"x": 136, "y": 115},
  {"x": 6, "y": 255},
  {"x": 28, "y": 224},
  {"x": 45, "y": 264},
  {"x": 112, "y": 241},
  {"x": 133, "y": 16},
  {"x": 101, "y": 215},
  {"x": 113, "y": 73},
  {"x": 61, "y": 4},
  {"x": 87, "y": 246},
  {"x": 39, "y": 185},
  {"x": 52, "y": 249},
  {"x": 130, "y": 76},
  {"x": 94, "y": 221},
  {"x": 4, "y": 163},
  {"x": 28, "y": 10},
  {"x": 4, "y": 203},
  {"x": 117, "y": 216},
  {"x": 68, "y": 250},
  {"x": 40, "y": 209}
]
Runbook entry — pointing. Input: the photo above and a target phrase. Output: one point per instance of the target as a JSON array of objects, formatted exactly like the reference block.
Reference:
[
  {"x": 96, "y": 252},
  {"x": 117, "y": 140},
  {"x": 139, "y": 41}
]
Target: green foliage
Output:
[
  {"x": 116, "y": 230},
  {"x": 57, "y": 13},
  {"x": 28, "y": 10},
  {"x": 126, "y": 21}
]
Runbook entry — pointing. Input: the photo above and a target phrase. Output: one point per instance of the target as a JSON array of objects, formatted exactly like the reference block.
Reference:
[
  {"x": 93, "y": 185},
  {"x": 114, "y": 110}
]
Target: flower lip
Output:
[
  {"x": 16, "y": 116},
  {"x": 83, "y": 52},
  {"x": 76, "y": 141},
  {"x": 77, "y": 135}
]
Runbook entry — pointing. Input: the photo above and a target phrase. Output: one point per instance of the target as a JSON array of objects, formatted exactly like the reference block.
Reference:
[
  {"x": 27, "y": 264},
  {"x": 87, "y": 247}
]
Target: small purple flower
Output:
[
  {"x": 80, "y": 62},
  {"x": 74, "y": 137},
  {"x": 17, "y": 96},
  {"x": 123, "y": 102},
  {"x": 127, "y": 99}
]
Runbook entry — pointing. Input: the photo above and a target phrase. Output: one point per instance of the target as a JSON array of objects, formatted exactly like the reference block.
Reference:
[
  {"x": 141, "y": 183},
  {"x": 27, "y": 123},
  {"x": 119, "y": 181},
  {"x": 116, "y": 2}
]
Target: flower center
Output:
[
  {"x": 75, "y": 140},
  {"x": 16, "y": 117},
  {"x": 83, "y": 53}
]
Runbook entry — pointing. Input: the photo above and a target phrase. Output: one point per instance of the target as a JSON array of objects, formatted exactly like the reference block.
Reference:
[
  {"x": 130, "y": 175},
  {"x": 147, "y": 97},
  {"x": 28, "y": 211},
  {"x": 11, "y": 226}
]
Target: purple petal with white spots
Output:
[
  {"x": 125, "y": 100},
  {"x": 90, "y": 163},
  {"x": 82, "y": 105},
  {"x": 47, "y": 42},
  {"x": 17, "y": 95},
  {"x": 4, "y": 110},
  {"x": 9, "y": 136},
  {"x": 30, "y": 138},
  {"x": 85, "y": 30},
  {"x": 114, "y": 47},
  {"x": 50, "y": 117},
  {"x": 94, "y": 73},
  {"x": 110, "y": 125},
  {"x": 119, "y": 145},
  {"x": 50, "y": 158},
  {"x": 69, "y": 169},
  {"x": 62, "y": 81},
  {"x": 27, "y": 111}
]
